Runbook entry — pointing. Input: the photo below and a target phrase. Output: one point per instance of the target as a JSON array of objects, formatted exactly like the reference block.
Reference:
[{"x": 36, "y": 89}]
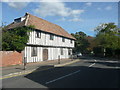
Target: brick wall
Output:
[{"x": 10, "y": 58}]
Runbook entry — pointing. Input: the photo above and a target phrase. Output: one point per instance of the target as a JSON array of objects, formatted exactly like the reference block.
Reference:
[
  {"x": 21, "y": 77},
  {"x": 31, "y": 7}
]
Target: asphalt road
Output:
[{"x": 87, "y": 73}]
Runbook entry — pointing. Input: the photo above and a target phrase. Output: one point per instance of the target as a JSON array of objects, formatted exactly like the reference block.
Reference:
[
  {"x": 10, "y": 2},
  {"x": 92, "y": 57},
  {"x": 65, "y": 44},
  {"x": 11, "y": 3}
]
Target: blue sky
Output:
[{"x": 72, "y": 16}]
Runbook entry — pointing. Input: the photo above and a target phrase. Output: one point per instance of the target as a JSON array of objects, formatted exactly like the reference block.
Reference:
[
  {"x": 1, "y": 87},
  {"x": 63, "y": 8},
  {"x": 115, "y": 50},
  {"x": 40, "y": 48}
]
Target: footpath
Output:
[{"x": 17, "y": 70}]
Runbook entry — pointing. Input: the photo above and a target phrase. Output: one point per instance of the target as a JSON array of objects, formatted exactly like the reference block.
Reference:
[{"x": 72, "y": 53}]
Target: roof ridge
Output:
[{"x": 27, "y": 17}]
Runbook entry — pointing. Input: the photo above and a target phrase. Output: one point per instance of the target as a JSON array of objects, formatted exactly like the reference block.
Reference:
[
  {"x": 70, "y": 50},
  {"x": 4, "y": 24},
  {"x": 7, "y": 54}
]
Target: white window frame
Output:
[
  {"x": 38, "y": 34},
  {"x": 51, "y": 37}
]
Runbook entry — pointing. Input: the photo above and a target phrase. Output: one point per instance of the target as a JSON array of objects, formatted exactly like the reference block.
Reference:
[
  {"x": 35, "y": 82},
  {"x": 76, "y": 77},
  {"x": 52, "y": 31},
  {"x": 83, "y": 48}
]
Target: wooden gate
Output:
[{"x": 45, "y": 54}]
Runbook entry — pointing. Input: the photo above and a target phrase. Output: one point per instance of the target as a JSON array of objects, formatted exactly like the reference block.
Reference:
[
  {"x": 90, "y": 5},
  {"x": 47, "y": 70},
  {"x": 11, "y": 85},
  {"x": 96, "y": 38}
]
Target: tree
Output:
[
  {"x": 107, "y": 36},
  {"x": 81, "y": 44},
  {"x": 92, "y": 43},
  {"x": 15, "y": 39}
]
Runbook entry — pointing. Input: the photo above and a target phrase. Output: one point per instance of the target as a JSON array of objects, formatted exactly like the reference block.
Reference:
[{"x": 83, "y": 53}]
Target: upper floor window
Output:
[
  {"x": 34, "y": 51},
  {"x": 51, "y": 36},
  {"x": 63, "y": 39},
  {"x": 38, "y": 34},
  {"x": 70, "y": 41}
]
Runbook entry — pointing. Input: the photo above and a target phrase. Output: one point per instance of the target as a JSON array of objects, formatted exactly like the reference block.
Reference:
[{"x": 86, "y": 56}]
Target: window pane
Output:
[
  {"x": 61, "y": 51},
  {"x": 70, "y": 41},
  {"x": 34, "y": 51},
  {"x": 38, "y": 34},
  {"x": 51, "y": 37},
  {"x": 69, "y": 52},
  {"x": 63, "y": 39}
]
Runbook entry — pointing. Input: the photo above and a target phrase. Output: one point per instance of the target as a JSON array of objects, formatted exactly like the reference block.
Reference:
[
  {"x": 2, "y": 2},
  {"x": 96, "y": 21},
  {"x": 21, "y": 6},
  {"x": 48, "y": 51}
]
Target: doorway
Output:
[{"x": 45, "y": 54}]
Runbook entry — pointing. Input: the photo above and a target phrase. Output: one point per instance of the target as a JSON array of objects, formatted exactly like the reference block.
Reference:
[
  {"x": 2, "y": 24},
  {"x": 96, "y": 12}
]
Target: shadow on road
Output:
[{"x": 87, "y": 77}]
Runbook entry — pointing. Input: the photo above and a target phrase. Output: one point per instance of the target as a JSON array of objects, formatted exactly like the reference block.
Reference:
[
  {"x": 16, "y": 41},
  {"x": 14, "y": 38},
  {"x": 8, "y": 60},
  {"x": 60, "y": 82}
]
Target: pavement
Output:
[{"x": 16, "y": 70}]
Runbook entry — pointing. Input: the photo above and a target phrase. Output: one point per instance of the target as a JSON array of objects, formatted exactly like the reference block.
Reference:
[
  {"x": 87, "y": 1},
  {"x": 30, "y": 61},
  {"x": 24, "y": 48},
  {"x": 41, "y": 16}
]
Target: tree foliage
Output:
[
  {"x": 92, "y": 43},
  {"x": 105, "y": 43},
  {"x": 15, "y": 39},
  {"x": 108, "y": 36},
  {"x": 81, "y": 43}
]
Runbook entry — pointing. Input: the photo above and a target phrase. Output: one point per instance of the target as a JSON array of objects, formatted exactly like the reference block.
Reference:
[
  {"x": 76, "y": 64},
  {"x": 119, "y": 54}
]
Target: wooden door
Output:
[{"x": 45, "y": 54}]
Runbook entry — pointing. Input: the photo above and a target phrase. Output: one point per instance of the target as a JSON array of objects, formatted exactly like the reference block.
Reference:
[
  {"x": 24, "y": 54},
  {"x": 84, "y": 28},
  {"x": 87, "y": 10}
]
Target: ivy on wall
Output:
[{"x": 15, "y": 39}]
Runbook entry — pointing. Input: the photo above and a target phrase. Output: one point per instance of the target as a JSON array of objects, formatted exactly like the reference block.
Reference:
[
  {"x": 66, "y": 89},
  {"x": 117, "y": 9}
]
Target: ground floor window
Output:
[
  {"x": 69, "y": 52},
  {"x": 45, "y": 54},
  {"x": 33, "y": 51},
  {"x": 61, "y": 51}
]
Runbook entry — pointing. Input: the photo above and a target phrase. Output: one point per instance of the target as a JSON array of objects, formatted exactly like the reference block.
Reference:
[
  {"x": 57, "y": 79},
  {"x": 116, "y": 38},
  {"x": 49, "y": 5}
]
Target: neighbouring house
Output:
[{"x": 47, "y": 41}]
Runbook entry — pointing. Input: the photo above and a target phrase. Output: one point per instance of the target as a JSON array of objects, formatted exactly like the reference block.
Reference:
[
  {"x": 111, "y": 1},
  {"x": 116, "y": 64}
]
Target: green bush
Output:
[{"x": 15, "y": 39}]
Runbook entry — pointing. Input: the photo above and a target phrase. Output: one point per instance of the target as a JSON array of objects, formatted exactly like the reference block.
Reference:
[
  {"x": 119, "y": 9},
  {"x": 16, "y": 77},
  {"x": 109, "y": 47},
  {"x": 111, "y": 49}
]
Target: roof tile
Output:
[{"x": 42, "y": 25}]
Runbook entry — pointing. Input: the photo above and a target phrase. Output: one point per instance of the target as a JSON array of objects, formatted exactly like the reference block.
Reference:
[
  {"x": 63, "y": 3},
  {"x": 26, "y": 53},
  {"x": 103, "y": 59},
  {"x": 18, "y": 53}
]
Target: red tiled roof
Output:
[{"x": 42, "y": 25}]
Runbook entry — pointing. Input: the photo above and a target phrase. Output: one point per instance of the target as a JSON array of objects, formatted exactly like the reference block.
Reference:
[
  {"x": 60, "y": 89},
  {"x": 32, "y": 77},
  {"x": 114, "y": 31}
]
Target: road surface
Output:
[{"x": 87, "y": 73}]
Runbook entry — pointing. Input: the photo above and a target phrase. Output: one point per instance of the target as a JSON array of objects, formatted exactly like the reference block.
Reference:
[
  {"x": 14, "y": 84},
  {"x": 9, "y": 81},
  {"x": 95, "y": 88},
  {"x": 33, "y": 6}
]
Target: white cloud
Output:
[
  {"x": 99, "y": 9},
  {"x": 108, "y": 8},
  {"x": 56, "y": 9},
  {"x": 75, "y": 19},
  {"x": 63, "y": 19},
  {"x": 52, "y": 9},
  {"x": 60, "y": 0},
  {"x": 89, "y": 4},
  {"x": 20, "y": 1},
  {"x": 75, "y": 12},
  {"x": 17, "y": 5}
]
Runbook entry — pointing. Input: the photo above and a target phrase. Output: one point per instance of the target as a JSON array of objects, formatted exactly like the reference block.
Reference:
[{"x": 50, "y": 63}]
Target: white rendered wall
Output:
[
  {"x": 45, "y": 40},
  {"x": 53, "y": 54},
  {"x": 35, "y": 58}
]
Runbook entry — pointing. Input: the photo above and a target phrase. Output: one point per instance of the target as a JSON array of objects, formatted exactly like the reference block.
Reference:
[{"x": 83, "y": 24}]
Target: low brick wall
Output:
[{"x": 10, "y": 58}]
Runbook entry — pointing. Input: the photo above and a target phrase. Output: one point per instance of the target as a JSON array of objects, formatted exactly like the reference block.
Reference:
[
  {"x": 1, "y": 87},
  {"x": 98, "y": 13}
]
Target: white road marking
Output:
[
  {"x": 92, "y": 65},
  {"x": 95, "y": 60},
  {"x": 62, "y": 77}
]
